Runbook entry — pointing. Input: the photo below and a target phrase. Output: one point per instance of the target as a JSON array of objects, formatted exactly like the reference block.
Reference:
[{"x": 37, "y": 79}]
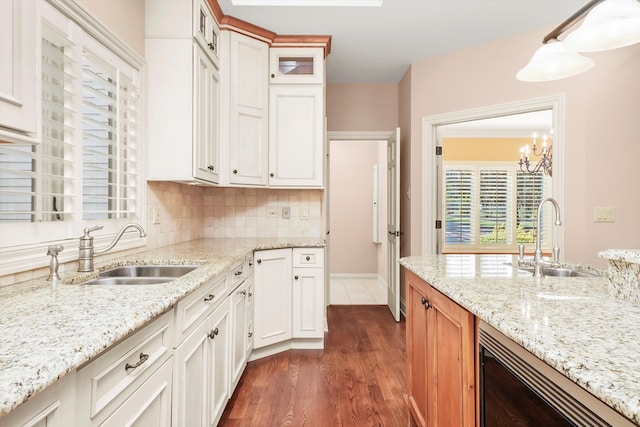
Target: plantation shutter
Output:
[
  {"x": 459, "y": 204},
  {"x": 33, "y": 177},
  {"x": 495, "y": 211},
  {"x": 110, "y": 140},
  {"x": 532, "y": 189}
]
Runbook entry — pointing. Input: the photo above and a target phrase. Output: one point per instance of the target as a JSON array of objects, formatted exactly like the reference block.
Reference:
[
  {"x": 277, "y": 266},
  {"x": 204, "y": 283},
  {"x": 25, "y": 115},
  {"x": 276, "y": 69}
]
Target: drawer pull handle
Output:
[
  {"x": 426, "y": 303},
  {"x": 259, "y": 261},
  {"x": 209, "y": 298},
  {"x": 213, "y": 333},
  {"x": 243, "y": 293},
  {"x": 143, "y": 358},
  {"x": 238, "y": 273},
  {"x": 250, "y": 294},
  {"x": 250, "y": 334}
]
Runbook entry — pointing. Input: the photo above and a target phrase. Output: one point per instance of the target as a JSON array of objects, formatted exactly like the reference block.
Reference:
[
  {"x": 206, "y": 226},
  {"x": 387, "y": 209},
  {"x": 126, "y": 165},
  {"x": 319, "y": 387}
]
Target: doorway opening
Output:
[{"x": 433, "y": 170}]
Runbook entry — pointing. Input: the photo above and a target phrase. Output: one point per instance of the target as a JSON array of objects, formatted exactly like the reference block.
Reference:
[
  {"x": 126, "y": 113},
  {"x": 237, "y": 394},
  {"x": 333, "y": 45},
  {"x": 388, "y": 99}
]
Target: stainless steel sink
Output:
[
  {"x": 561, "y": 272},
  {"x": 140, "y": 274}
]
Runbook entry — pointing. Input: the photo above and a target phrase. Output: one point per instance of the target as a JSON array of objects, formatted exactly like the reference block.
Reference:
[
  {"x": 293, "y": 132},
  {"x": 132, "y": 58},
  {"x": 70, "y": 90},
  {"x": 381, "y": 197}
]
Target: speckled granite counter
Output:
[
  {"x": 48, "y": 331},
  {"x": 571, "y": 323}
]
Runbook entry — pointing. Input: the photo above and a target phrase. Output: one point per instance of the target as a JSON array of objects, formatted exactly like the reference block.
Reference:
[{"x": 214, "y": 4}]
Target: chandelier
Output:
[{"x": 545, "y": 153}]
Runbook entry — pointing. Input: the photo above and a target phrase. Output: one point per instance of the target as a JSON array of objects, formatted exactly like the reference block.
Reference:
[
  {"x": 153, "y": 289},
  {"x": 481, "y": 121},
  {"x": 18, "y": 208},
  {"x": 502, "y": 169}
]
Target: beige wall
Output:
[
  {"x": 124, "y": 18},
  {"x": 362, "y": 107},
  {"x": 601, "y": 131},
  {"x": 352, "y": 247}
]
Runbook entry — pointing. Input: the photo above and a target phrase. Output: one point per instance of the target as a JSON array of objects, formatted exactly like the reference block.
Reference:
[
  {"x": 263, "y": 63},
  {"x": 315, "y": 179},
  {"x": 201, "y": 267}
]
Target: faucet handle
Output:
[
  {"x": 54, "y": 249},
  {"x": 521, "y": 251},
  {"x": 556, "y": 255},
  {"x": 89, "y": 230}
]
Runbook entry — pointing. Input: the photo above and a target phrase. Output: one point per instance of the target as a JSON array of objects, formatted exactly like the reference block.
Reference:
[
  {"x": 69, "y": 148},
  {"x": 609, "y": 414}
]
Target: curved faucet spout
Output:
[
  {"x": 537, "y": 256},
  {"x": 119, "y": 235}
]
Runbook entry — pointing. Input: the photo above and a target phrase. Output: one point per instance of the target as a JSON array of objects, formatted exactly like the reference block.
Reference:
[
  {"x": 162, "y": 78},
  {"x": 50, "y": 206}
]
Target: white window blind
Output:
[
  {"x": 109, "y": 141},
  {"x": 86, "y": 168},
  {"x": 492, "y": 208},
  {"x": 33, "y": 177}
]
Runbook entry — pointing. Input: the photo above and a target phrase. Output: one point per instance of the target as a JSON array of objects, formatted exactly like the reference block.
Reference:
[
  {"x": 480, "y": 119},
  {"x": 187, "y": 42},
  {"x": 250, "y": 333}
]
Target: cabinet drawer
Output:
[
  {"x": 109, "y": 380},
  {"x": 192, "y": 309},
  {"x": 308, "y": 257}
]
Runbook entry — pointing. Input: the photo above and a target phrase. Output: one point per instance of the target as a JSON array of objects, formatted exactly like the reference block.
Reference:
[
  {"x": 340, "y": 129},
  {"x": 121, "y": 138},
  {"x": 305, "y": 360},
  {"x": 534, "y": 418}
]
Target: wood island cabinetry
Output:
[{"x": 440, "y": 358}]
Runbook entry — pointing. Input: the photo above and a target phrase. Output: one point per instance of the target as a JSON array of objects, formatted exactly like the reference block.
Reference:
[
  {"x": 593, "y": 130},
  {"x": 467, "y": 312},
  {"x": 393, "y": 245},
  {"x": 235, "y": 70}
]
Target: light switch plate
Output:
[
  {"x": 155, "y": 212},
  {"x": 304, "y": 212},
  {"x": 604, "y": 214},
  {"x": 273, "y": 212},
  {"x": 286, "y": 212}
]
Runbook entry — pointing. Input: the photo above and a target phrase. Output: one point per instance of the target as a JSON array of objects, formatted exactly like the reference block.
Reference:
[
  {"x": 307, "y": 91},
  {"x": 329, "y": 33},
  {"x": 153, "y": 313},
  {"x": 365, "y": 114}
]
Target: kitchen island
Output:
[
  {"x": 572, "y": 323},
  {"x": 49, "y": 331}
]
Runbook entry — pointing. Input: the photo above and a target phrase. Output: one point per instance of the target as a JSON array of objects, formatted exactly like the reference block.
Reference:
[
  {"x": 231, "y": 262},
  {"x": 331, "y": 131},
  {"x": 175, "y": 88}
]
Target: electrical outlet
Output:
[
  {"x": 273, "y": 212},
  {"x": 286, "y": 212},
  {"x": 155, "y": 213},
  {"x": 304, "y": 212}
]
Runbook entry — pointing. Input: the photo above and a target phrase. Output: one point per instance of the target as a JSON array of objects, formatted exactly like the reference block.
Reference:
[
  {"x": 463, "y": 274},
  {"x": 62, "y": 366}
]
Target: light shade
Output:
[
  {"x": 553, "y": 61},
  {"x": 609, "y": 25}
]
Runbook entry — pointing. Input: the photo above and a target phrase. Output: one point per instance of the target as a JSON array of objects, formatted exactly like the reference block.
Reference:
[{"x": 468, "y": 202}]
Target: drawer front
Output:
[
  {"x": 191, "y": 310},
  {"x": 109, "y": 380},
  {"x": 308, "y": 257}
]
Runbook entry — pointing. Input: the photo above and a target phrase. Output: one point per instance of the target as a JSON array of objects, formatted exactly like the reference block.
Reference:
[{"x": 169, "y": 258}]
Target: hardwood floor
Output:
[{"x": 359, "y": 379}]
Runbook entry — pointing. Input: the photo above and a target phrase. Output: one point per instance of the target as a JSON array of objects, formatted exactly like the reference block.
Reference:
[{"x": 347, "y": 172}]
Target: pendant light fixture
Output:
[{"x": 608, "y": 24}]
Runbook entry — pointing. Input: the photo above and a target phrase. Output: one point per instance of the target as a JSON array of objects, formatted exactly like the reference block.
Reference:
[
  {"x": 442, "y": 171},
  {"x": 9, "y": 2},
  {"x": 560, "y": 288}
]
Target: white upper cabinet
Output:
[
  {"x": 296, "y": 136},
  {"x": 18, "y": 78},
  {"x": 205, "y": 29},
  {"x": 183, "y": 97},
  {"x": 296, "y": 66},
  {"x": 247, "y": 91}
]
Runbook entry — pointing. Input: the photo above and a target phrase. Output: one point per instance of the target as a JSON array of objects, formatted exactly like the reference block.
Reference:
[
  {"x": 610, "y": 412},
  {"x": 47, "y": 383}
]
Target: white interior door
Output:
[{"x": 393, "y": 226}]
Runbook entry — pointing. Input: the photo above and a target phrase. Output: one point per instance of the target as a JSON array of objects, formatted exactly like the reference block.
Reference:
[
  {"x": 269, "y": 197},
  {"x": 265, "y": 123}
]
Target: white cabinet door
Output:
[
  {"x": 248, "y": 88},
  {"x": 201, "y": 371},
  {"x": 18, "y": 78},
  {"x": 150, "y": 405},
  {"x": 206, "y": 117},
  {"x": 239, "y": 342},
  {"x": 219, "y": 361},
  {"x": 52, "y": 407},
  {"x": 304, "y": 65},
  {"x": 308, "y": 302},
  {"x": 272, "y": 292},
  {"x": 205, "y": 29},
  {"x": 296, "y": 136}
]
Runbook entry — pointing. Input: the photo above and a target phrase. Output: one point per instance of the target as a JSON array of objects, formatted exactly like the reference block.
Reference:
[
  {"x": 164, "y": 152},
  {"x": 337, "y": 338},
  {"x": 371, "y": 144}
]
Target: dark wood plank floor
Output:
[{"x": 359, "y": 379}]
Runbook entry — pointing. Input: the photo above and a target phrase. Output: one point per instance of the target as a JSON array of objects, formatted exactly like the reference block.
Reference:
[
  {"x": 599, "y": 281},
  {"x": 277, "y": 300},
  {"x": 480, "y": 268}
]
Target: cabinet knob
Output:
[
  {"x": 271, "y": 175},
  {"x": 212, "y": 46},
  {"x": 243, "y": 293},
  {"x": 235, "y": 171},
  {"x": 426, "y": 303},
  {"x": 308, "y": 258},
  {"x": 259, "y": 261},
  {"x": 209, "y": 297},
  {"x": 273, "y": 76},
  {"x": 295, "y": 277},
  {"x": 213, "y": 333},
  {"x": 250, "y": 334},
  {"x": 250, "y": 294}
]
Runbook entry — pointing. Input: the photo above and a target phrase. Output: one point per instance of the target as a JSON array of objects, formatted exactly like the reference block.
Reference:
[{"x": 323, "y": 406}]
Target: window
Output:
[
  {"x": 492, "y": 207},
  {"x": 85, "y": 170}
]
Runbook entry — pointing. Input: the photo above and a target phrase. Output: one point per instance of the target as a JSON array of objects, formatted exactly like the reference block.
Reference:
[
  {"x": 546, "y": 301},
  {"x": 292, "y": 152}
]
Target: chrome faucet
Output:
[
  {"x": 86, "y": 251},
  {"x": 538, "y": 260}
]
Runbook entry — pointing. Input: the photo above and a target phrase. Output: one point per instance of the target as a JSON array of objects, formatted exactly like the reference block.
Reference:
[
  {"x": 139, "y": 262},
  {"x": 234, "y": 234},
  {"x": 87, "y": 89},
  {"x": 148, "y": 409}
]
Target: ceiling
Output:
[{"x": 377, "y": 44}]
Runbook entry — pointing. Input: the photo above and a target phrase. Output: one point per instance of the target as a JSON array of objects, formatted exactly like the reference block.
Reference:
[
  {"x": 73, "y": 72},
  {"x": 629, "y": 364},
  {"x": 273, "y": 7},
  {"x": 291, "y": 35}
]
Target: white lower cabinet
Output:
[
  {"x": 289, "y": 296},
  {"x": 201, "y": 372},
  {"x": 134, "y": 374},
  {"x": 241, "y": 334},
  {"x": 53, "y": 407}
]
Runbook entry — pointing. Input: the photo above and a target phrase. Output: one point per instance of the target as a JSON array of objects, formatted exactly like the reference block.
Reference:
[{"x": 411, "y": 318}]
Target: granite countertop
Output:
[
  {"x": 49, "y": 331},
  {"x": 572, "y": 323}
]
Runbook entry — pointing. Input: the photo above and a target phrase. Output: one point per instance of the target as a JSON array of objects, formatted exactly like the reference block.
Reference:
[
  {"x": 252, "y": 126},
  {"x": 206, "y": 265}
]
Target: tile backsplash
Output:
[{"x": 189, "y": 212}]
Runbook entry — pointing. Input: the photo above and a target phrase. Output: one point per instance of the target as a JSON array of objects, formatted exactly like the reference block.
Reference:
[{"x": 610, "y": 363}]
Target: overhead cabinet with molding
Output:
[
  {"x": 183, "y": 78},
  {"x": 225, "y": 107}
]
